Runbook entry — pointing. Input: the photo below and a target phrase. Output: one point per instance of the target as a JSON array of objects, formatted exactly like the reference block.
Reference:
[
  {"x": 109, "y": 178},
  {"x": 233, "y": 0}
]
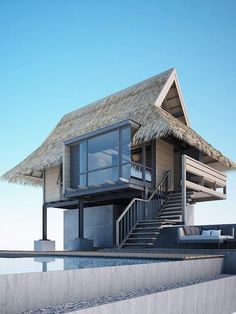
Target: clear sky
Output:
[{"x": 58, "y": 55}]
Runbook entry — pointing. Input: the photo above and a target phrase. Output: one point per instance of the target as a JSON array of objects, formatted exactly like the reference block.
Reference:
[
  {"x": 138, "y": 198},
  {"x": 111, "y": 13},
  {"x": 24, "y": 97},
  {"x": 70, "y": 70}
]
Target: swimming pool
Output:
[{"x": 44, "y": 264}]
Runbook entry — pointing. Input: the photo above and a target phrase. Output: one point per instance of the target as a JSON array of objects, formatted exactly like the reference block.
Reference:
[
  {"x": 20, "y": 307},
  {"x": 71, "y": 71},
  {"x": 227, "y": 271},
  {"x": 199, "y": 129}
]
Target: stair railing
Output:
[{"x": 141, "y": 209}]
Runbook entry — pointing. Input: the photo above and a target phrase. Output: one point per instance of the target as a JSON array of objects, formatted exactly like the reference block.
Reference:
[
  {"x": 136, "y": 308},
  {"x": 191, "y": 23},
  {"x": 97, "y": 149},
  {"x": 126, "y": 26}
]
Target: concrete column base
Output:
[
  {"x": 44, "y": 245},
  {"x": 80, "y": 244}
]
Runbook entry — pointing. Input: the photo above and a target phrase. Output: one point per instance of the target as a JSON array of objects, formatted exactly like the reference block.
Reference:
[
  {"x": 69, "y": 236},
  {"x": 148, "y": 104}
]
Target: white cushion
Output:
[
  {"x": 206, "y": 232},
  {"x": 215, "y": 233}
]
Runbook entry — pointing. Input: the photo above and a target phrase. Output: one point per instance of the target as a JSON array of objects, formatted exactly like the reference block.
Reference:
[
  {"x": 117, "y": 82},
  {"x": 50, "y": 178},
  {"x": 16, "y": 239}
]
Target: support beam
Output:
[
  {"x": 183, "y": 185},
  {"x": 81, "y": 219},
  {"x": 44, "y": 222}
]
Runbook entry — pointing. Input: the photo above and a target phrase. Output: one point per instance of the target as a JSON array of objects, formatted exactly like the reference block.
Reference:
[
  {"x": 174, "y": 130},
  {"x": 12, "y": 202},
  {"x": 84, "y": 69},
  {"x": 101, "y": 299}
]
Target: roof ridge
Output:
[{"x": 121, "y": 92}]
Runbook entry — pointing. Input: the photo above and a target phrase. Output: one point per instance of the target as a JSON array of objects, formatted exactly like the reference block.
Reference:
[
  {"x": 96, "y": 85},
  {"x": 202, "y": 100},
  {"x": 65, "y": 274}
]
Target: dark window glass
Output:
[
  {"x": 148, "y": 156},
  {"x": 126, "y": 171},
  {"x": 74, "y": 166},
  {"x": 103, "y": 151},
  {"x": 83, "y": 156},
  {"x": 105, "y": 176},
  {"x": 125, "y": 144},
  {"x": 137, "y": 155}
]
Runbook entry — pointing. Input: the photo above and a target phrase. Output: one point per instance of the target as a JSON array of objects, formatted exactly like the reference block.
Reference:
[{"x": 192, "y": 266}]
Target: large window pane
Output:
[
  {"x": 83, "y": 156},
  {"x": 125, "y": 144},
  {"x": 148, "y": 156},
  {"x": 82, "y": 181},
  {"x": 137, "y": 171},
  {"x": 126, "y": 171},
  {"x": 105, "y": 176},
  {"x": 137, "y": 155},
  {"x": 74, "y": 166},
  {"x": 103, "y": 151}
]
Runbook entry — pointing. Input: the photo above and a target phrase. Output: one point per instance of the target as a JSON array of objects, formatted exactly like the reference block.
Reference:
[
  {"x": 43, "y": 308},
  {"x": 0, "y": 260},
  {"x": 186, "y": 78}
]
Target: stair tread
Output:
[
  {"x": 141, "y": 233},
  {"x": 137, "y": 244},
  {"x": 153, "y": 238},
  {"x": 146, "y": 228}
]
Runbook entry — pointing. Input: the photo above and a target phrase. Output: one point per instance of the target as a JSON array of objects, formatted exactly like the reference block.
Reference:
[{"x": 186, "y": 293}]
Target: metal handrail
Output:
[
  {"x": 128, "y": 207},
  {"x": 135, "y": 211},
  {"x": 167, "y": 174}
]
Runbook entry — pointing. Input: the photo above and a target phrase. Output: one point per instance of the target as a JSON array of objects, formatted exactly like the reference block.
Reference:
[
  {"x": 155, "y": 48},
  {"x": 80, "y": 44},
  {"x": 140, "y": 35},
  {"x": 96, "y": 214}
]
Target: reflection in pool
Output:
[{"x": 49, "y": 263}]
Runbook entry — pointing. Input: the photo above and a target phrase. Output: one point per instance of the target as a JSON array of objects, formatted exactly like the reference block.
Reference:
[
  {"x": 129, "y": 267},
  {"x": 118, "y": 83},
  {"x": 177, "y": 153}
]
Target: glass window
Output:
[
  {"x": 83, "y": 156},
  {"x": 137, "y": 155},
  {"x": 82, "y": 181},
  {"x": 103, "y": 151},
  {"x": 126, "y": 171},
  {"x": 148, "y": 156},
  {"x": 109, "y": 176},
  {"x": 74, "y": 166},
  {"x": 125, "y": 144}
]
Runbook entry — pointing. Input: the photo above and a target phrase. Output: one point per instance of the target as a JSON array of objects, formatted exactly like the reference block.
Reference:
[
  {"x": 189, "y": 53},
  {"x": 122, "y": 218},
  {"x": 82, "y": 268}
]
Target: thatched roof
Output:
[{"x": 138, "y": 103}]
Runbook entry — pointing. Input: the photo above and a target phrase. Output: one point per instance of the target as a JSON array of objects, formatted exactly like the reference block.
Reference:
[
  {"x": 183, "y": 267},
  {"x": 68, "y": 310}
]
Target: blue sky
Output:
[{"x": 56, "y": 56}]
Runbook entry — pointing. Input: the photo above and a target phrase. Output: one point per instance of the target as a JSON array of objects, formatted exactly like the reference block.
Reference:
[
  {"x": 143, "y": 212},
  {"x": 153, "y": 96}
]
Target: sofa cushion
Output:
[
  {"x": 206, "y": 232},
  {"x": 197, "y": 230},
  {"x": 216, "y": 233},
  {"x": 187, "y": 230},
  {"x": 190, "y": 230}
]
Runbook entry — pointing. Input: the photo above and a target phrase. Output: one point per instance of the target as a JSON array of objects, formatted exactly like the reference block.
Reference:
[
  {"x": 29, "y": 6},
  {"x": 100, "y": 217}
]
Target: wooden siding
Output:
[
  {"x": 52, "y": 188},
  {"x": 164, "y": 160},
  {"x": 66, "y": 168},
  {"x": 177, "y": 170}
]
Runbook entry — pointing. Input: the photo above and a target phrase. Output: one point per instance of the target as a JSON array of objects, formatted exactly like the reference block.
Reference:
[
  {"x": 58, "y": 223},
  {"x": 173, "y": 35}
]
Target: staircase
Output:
[
  {"x": 145, "y": 232},
  {"x": 172, "y": 208}
]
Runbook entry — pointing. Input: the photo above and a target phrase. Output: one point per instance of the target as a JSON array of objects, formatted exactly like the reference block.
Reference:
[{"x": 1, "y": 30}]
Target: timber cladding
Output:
[
  {"x": 164, "y": 160},
  {"x": 52, "y": 184}
]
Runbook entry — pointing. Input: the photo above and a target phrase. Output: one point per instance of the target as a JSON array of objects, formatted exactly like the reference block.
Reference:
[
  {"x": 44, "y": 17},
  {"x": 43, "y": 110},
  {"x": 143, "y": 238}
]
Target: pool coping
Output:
[{"x": 146, "y": 255}]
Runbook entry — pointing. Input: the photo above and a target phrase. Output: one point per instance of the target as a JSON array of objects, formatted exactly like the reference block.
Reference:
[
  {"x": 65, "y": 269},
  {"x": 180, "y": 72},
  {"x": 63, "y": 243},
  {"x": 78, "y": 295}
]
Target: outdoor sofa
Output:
[{"x": 191, "y": 234}]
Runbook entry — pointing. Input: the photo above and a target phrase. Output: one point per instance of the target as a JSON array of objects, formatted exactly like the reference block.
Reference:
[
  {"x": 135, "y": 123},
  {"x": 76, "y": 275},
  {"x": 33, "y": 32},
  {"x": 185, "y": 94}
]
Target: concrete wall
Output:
[
  {"x": 98, "y": 225},
  {"x": 212, "y": 297},
  {"x": 230, "y": 263},
  {"x": 25, "y": 292}
]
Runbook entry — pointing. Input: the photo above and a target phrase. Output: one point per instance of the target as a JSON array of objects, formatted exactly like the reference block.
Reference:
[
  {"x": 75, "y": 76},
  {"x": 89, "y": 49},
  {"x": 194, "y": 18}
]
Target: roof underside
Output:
[{"x": 136, "y": 103}]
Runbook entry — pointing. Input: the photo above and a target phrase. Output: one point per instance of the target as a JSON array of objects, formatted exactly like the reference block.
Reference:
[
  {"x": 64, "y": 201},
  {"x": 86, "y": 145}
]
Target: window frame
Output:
[{"x": 86, "y": 137}]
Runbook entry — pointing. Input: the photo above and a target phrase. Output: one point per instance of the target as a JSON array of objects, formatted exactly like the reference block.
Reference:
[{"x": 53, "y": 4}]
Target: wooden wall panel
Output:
[
  {"x": 52, "y": 188},
  {"x": 164, "y": 160}
]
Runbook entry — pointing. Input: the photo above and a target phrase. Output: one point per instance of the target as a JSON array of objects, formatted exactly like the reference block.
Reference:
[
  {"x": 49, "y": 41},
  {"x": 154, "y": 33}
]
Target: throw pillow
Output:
[
  {"x": 206, "y": 232},
  {"x": 216, "y": 233}
]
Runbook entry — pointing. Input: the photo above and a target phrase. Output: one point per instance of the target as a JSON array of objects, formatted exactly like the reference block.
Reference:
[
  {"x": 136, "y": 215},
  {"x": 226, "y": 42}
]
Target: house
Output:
[{"x": 124, "y": 167}]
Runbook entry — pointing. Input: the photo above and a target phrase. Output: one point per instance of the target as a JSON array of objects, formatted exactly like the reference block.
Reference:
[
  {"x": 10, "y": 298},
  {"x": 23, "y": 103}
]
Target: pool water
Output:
[{"x": 43, "y": 264}]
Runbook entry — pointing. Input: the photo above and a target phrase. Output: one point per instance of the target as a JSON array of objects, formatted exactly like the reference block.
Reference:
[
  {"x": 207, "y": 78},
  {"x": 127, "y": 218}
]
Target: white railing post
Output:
[{"x": 183, "y": 186}]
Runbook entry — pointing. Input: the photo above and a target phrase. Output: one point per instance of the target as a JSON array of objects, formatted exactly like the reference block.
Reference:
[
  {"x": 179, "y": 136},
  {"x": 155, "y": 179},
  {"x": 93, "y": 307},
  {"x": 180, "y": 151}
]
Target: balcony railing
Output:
[
  {"x": 129, "y": 172},
  {"x": 205, "y": 182}
]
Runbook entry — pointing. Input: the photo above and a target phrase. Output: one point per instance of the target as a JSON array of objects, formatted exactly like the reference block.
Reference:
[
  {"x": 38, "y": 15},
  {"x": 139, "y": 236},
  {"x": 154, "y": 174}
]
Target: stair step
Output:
[
  {"x": 172, "y": 207},
  {"x": 173, "y": 217},
  {"x": 138, "y": 244},
  {"x": 147, "y": 228},
  {"x": 169, "y": 209},
  {"x": 171, "y": 213},
  {"x": 144, "y": 233},
  {"x": 148, "y": 222},
  {"x": 171, "y": 201},
  {"x": 139, "y": 239}
]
